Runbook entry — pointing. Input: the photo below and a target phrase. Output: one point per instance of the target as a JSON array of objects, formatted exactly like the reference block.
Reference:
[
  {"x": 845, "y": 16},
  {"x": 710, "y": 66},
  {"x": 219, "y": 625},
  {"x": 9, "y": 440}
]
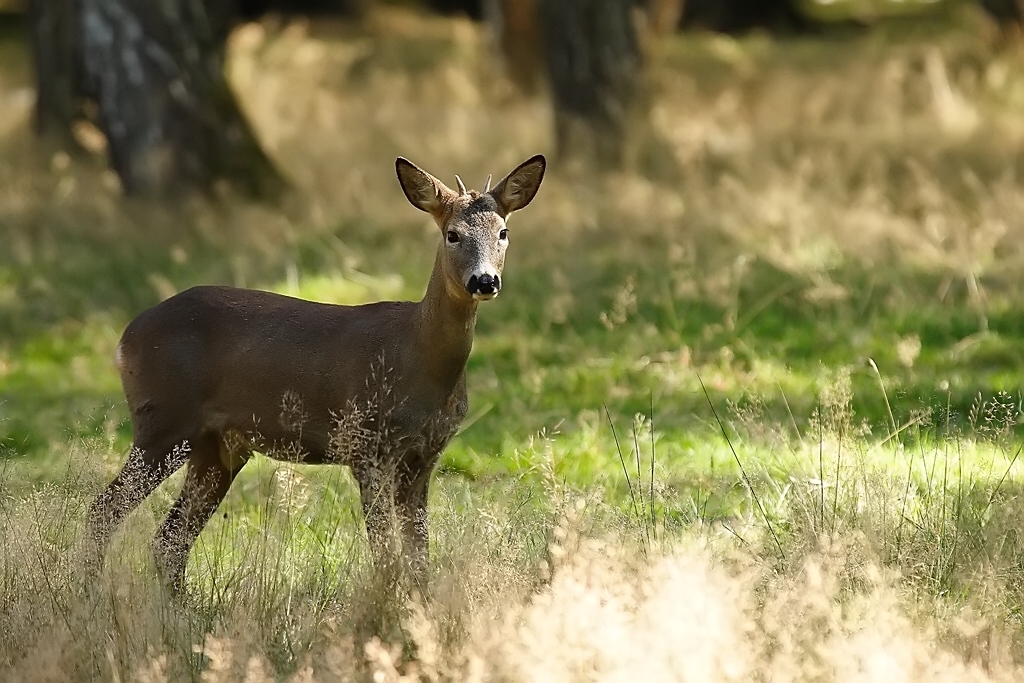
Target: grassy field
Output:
[{"x": 745, "y": 411}]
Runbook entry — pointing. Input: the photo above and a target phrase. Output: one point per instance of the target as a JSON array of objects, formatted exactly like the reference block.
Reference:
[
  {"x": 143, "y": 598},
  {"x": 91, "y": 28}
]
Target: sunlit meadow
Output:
[{"x": 745, "y": 411}]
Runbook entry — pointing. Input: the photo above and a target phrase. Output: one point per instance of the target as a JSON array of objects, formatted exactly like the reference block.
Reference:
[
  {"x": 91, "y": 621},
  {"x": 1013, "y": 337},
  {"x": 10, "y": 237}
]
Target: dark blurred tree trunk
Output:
[
  {"x": 664, "y": 16},
  {"x": 253, "y": 9},
  {"x": 471, "y": 8},
  {"x": 153, "y": 73},
  {"x": 516, "y": 26},
  {"x": 58, "y": 77},
  {"x": 736, "y": 16},
  {"x": 1008, "y": 13},
  {"x": 592, "y": 54}
]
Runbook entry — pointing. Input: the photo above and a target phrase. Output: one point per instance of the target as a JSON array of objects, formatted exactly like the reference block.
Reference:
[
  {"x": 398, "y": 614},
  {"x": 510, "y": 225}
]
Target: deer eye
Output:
[
  {"x": 453, "y": 236},
  {"x": 503, "y": 235}
]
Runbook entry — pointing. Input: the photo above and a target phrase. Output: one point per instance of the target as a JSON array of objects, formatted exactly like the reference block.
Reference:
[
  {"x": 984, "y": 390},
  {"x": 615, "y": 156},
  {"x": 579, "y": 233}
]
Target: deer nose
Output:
[{"x": 484, "y": 284}]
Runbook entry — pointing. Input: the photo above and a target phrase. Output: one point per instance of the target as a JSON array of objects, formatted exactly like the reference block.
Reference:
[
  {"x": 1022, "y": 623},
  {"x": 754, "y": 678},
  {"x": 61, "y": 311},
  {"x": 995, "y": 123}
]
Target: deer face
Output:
[
  {"x": 475, "y": 239},
  {"x": 472, "y": 223}
]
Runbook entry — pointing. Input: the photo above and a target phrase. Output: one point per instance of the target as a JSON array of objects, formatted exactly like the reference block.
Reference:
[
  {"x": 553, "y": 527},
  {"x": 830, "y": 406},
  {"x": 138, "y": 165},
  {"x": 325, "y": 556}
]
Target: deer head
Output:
[{"x": 472, "y": 223}]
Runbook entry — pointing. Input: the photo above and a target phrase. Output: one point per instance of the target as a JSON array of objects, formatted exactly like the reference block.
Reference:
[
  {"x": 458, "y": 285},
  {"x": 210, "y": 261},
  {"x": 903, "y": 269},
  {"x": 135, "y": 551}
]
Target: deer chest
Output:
[{"x": 380, "y": 431}]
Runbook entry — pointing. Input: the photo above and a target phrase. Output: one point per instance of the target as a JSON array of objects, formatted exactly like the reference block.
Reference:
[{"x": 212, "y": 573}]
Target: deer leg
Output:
[
  {"x": 377, "y": 498},
  {"x": 206, "y": 483},
  {"x": 377, "y": 494},
  {"x": 411, "y": 508},
  {"x": 145, "y": 469}
]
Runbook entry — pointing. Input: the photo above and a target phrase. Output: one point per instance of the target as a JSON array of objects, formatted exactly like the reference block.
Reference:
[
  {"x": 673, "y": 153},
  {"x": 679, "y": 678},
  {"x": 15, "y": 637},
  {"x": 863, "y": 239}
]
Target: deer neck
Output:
[{"x": 445, "y": 327}]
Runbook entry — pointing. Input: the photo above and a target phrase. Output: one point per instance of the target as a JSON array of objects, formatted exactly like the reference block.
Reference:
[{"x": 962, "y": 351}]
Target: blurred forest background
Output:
[
  {"x": 763, "y": 324},
  {"x": 150, "y": 78}
]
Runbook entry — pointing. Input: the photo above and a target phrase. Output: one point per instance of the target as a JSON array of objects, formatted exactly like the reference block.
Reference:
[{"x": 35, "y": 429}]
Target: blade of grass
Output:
[
  {"x": 821, "y": 472},
  {"x": 640, "y": 482},
  {"x": 892, "y": 420},
  {"x": 622, "y": 460},
  {"x": 654, "y": 520},
  {"x": 999, "y": 484},
  {"x": 835, "y": 490},
  {"x": 743, "y": 472},
  {"x": 789, "y": 411},
  {"x": 903, "y": 507}
]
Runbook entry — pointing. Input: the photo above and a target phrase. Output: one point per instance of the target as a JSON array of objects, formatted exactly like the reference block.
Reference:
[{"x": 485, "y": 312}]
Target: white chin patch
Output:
[{"x": 484, "y": 297}]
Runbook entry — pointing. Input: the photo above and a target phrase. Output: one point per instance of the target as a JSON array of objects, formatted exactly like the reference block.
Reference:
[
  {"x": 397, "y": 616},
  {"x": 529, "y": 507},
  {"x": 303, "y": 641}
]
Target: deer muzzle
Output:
[{"x": 484, "y": 286}]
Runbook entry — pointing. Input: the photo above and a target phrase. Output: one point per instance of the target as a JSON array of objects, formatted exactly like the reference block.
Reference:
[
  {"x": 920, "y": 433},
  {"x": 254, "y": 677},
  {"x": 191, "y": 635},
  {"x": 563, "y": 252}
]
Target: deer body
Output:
[
  {"x": 319, "y": 377},
  {"x": 214, "y": 373}
]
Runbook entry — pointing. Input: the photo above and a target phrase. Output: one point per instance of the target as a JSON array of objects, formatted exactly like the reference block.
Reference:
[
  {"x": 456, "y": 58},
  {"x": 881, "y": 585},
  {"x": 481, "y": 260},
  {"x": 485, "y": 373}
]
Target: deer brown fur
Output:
[{"x": 213, "y": 373}]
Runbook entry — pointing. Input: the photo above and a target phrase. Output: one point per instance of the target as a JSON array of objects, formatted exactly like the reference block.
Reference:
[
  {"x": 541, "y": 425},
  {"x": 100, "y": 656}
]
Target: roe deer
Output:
[{"x": 213, "y": 373}]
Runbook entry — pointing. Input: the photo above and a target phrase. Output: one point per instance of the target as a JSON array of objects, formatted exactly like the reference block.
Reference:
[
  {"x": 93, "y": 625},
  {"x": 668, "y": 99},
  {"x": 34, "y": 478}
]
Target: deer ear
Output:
[
  {"x": 423, "y": 190},
  {"x": 520, "y": 186}
]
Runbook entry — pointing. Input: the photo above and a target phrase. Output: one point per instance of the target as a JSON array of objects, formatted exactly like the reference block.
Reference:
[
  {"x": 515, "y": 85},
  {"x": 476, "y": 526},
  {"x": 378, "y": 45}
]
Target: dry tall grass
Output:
[{"x": 553, "y": 591}]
